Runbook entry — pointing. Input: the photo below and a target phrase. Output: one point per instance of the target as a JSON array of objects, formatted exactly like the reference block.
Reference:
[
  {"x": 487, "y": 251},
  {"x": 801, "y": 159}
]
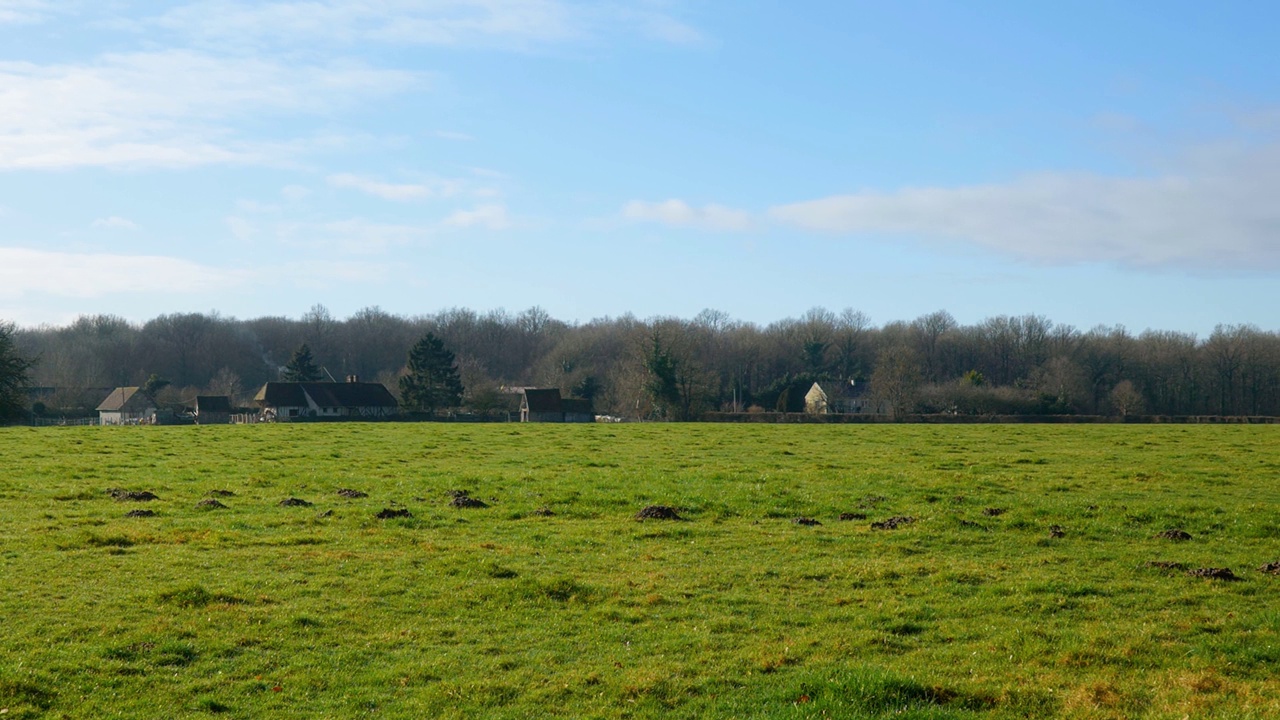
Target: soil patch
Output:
[
  {"x": 1214, "y": 573},
  {"x": 993, "y": 511},
  {"x": 805, "y": 521},
  {"x": 140, "y": 513},
  {"x": 220, "y": 493},
  {"x": 658, "y": 512},
  {"x": 353, "y": 494},
  {"x": 132, "y": 495},
  {"x": 294, "y": 502},
  {"x": 1271, "y": 567},
  {"x": 210, "y": 504},
  {"x": 892, "y": 523},
  {"x": 389, "y": 513},
  {"x": 544, "y": 512},
  {"x": 847, "y": 516},
  {"x": 1057, "y": 531},
  {"x": 466, "y": 501},
  {"x": 1175, "y": 534}
]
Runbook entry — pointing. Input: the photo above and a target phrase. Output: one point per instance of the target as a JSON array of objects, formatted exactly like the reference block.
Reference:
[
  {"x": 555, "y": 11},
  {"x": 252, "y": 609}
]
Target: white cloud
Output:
[
  {"x": 489, "y": 217},
  {"x": 447, "y": 135},
  {"x": 115, "y": 223},
  {"x": 170, "y": 108},
  {"x": 23, "y": 11},
  {"x": 391, "y": 191},
  {"x": 25, "y": 272},
  {"x": 1217, "y": 210},
  {"x": 351, "y": 237},
  {"x": 507, "y": 24},
  {"x": 678, "y": 213},
  {"x": 412, "y": 22}
]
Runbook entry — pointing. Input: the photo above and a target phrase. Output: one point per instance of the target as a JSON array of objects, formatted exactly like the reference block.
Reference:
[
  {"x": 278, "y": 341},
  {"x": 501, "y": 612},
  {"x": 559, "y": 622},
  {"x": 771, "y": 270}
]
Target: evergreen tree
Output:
[
  {"x": 433, "y": 381},
  {"x": 13, "y": 374},
  {"x": 301, "y": 367}
]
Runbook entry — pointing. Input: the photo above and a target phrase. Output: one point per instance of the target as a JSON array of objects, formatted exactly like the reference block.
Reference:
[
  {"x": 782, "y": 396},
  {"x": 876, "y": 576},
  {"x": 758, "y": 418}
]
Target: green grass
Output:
[{"x": 260, "y": 610}]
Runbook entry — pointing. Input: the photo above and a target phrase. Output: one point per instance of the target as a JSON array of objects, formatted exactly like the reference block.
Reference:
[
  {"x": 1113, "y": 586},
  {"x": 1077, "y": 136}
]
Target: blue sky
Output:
[{"x": 1093, "y": 162}]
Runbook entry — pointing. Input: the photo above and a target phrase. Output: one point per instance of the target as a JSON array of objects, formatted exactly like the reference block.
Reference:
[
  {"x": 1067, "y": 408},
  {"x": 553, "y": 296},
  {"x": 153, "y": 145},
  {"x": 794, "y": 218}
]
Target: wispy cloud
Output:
[
  {"x": 489, "y": 217},
  {"x": 450, "y": 135},
  {"x": 678, "y": 213},
  {"x": 508, "y": 24},
  {"x": 168, "y": 108},
  {"x": 25, "y": 272},
  {"x": 23, "y": 11},
  {"x": 392, "y": 191},
  {"x": 1215, "y": 211},
  {"x": 115, "y": 223}
]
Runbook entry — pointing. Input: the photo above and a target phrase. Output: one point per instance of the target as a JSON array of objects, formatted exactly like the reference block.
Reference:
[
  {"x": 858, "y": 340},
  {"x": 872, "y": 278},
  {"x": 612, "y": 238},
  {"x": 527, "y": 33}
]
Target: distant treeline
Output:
[{"x": 678, "y": 368}]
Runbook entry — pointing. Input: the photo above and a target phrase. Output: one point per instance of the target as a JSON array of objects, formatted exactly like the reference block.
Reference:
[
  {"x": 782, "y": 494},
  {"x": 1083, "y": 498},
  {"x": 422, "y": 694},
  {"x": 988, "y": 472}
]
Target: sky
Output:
[{"x": 1093, "y": 162}]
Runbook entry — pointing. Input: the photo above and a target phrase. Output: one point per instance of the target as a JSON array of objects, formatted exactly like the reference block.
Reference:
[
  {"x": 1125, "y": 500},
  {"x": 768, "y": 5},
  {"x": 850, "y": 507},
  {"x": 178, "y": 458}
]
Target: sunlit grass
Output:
[{"x": 972, "y": 610}]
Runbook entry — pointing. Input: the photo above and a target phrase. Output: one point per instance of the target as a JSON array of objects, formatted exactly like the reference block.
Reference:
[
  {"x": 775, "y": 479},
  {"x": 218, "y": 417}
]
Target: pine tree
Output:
[
  {"x": 433, "y": 381},
  {"x": 301, "y": 367},
  {"x": 13, "y": 374}
]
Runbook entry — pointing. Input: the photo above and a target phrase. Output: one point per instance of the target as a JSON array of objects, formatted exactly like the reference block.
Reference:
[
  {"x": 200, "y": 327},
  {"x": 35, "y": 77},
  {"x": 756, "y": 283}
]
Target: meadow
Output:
[{"x": 1031, "y": 580}]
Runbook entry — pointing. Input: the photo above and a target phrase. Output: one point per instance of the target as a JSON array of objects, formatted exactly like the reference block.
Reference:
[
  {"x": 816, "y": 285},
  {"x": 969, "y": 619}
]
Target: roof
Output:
[
  {"x": 543, "y": 401},
  {"x": 127, "y": 399},
  {"x": 325, "y": 394},
  {"x": 213, "y": 403},
  {"x": 577, "y": 405}
]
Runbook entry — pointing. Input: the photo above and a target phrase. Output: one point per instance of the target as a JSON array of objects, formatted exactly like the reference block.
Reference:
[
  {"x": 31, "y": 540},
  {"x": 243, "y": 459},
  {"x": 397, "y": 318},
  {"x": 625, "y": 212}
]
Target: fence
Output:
[{"x": 63, "y": 422}]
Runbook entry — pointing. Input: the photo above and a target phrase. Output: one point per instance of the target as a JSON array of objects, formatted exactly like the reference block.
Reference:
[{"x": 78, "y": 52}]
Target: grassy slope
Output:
[{"x": 261, "y": 610}]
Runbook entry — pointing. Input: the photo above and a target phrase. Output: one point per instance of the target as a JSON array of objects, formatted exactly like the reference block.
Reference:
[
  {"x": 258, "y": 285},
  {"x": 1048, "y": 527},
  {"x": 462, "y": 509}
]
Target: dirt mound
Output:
[
  {"x": 892, "y": 523},
  {"x": 132, "y": 495},
  {"x": 294, "y": 502},
  {"x": 1175, "y": 534},
  {"x": 1271, "y": 567},
  {"x": 388, "y": 513},
  {"x": 805, "y": 521},
  {"x": 140, "y": 513},
  {"x": 993, "y": 511},
  {"x": 353, "y": 494},
  {"x": 220, "y": 493},
  {"x": 466, "y": 501},
  {"x": 1057, "y": 531},
  {"x": 1214, "y": 573},
  {"x": 543, "y": 512},
  {"x": 658, "y": 512},
  {"x": 847, "y": 516},
  {"x": 459, "y": 493},
  {"x": 1166, "y": 565},
  {"x": 210, "y": 504}
]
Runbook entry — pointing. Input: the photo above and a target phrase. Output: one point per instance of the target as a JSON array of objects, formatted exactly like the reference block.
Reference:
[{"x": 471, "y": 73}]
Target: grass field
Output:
[{"x": 975, "y": 609}]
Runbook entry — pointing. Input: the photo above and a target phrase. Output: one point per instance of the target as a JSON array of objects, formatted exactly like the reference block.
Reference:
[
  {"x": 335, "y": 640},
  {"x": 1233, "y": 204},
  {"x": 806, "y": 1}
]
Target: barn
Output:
[{"x": 284, "y": 401}]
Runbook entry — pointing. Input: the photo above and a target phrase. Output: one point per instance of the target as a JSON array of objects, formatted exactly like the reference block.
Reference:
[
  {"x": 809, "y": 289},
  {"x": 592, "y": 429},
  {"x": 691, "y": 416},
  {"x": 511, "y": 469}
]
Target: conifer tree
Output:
[
  {"x": 432, "y": 381},
  {"x": 301, "y": 367}
]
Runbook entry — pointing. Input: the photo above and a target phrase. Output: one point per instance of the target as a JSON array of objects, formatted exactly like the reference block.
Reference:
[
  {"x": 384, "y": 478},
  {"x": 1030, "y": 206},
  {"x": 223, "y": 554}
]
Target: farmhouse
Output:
[
  {"x": 126, "y": 406},
  {"x": 284, "y": 401},
  {"x": 546, "y": 405},
  {"x": 213, "y": 410},
  {"x": 838, "y": 397}
]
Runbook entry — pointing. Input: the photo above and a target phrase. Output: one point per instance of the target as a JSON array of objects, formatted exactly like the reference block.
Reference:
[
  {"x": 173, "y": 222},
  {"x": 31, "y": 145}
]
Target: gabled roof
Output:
[
  {"x": 127, "y": 399},
  {"x": 543, "y": 401},
  {"x": 325, "y": 394},
  {"x": 213, "y": 403}
]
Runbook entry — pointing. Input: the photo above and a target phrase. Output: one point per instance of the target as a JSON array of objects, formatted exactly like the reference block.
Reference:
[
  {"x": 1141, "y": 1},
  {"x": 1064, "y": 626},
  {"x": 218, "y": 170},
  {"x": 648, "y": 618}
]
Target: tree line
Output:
[{"x": 676, "y": 368}]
